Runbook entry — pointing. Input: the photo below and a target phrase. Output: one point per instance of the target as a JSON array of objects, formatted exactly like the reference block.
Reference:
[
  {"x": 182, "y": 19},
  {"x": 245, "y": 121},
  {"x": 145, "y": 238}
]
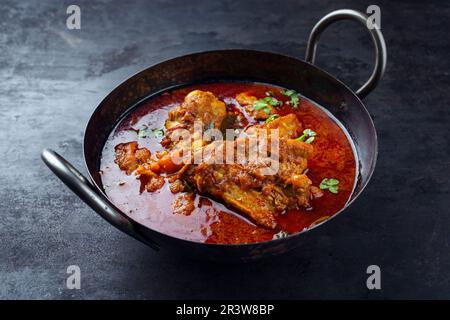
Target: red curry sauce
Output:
[{"x": 211, "y": 221}]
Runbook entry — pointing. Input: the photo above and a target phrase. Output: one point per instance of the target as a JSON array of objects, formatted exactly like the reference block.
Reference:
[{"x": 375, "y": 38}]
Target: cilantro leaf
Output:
[
  {"x": 287, "y": 92},
  {"x": 272, "y": 101},
  {"x": 272, "y": 117},
  {"x": 266, "y": 104},
  {"x": 308, "y": 135},
  {"x": 142, "y": 132},
  {"x": 258, "y": 105},
  {"x": 330, "y": 184},
  {"x": 293, "y": 96},
  {"x": 294, "y": 101},
  {"x": 158, "y": 133}
]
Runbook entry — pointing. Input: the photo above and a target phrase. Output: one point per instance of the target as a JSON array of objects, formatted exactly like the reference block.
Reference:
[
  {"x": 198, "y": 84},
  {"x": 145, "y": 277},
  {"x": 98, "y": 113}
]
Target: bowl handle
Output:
[
  {"x": 377, "y": 37},
  {"x": 86, "y": 191}
]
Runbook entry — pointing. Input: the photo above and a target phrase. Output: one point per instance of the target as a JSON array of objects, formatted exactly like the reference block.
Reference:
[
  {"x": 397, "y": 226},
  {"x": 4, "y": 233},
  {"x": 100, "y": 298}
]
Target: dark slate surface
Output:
[{"x": 52, "y": 78}]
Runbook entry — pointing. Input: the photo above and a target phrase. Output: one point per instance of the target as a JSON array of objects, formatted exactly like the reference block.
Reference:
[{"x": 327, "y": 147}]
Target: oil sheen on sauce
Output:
[{"x": 211, "y": 221}]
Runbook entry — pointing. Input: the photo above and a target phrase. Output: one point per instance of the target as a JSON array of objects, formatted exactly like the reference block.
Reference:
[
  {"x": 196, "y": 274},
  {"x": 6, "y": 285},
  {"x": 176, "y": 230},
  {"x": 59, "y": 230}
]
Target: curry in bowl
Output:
[{"x": 229, "y": 203}]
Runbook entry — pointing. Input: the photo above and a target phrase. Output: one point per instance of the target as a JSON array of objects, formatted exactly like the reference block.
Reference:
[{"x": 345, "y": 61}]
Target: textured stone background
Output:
[{"x": 51, "y": 79}]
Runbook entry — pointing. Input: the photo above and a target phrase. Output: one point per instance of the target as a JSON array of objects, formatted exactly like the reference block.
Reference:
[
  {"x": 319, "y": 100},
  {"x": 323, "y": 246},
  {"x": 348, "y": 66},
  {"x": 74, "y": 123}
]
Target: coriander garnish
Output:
[
  {"x": 266, "y": 104},
  {"x": 143, "y": 132},
  {"x": 309, "y": 135},
  {"x": 331, "y": 184},
  {"x": 272, "y": 101},
  {"x": 293, "y": 96},
  {"x": 158, "y": 133},
  {"x": 272, "y": 117}
]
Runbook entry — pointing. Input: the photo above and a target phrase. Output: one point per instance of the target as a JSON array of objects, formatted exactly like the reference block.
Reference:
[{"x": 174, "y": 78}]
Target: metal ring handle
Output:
[
  {"x": 84, "y": 189},
  {"x": 377, "y": 37}
]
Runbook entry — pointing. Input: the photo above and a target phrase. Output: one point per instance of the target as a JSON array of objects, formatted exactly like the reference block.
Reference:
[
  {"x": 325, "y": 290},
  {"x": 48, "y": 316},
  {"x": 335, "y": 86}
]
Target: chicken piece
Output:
[
  {"x": 247, "y": 101},
  {"x": 226, "y": 182},
  {"x": 184, "y": 203},
  {"x": 129, "y": 156},
  {"x": 131, "y": 159},
  {"x": 299, "y": 191},
  {"x": 166, "y": 162},
  {"x": 150, "y": 181},
  {"x": 243, "y": 187},
  {"x": 197, "y": 106},
  {"x": 293, "y": 155},
  {"x": 176, "y": 186},
  {"x": 288, "y": 127}
]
